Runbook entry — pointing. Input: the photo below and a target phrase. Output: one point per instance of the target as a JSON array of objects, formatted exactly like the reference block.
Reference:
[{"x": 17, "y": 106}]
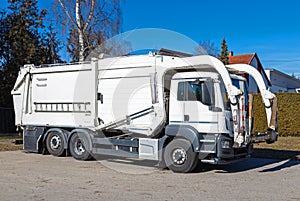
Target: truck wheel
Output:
[
  {"x": 179, "y": 156},
  {"x": 55, "y": 143},
  {"x": 78, "y": 147}
]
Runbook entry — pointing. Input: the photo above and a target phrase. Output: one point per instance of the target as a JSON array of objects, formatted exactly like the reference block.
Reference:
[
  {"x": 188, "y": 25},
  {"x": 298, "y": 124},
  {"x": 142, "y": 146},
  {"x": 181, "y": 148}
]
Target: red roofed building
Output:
[{"x": 253, "y": 60}]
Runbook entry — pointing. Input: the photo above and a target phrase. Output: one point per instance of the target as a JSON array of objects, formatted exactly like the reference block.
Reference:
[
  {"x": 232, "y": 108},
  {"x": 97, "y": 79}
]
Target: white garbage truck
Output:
[{"x": 169, "y": 107}]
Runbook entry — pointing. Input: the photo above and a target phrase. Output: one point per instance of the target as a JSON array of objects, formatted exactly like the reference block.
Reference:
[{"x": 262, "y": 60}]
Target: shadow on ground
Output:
[
  {"x": 251, "y": 164},
  {"x": 266, "y": 159},
  {"x": 275, "y": 154},
  {"x": 278, "y": 159}
]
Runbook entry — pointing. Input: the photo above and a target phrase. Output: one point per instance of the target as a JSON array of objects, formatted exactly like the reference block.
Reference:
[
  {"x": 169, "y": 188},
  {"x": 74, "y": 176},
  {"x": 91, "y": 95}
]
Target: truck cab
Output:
[
  {"x": 199, "y": 106},
  {"x": 196, "y": 100}
]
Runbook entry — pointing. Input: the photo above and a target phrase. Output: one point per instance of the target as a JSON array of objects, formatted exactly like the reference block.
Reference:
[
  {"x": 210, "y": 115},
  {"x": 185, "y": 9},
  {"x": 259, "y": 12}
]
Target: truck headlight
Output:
[{"x": 225, "y": 144}]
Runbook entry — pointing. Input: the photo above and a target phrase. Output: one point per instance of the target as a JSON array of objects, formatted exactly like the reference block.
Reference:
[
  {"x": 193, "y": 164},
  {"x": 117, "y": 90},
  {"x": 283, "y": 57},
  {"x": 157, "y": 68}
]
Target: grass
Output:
[{"x": 7, "y": 142}]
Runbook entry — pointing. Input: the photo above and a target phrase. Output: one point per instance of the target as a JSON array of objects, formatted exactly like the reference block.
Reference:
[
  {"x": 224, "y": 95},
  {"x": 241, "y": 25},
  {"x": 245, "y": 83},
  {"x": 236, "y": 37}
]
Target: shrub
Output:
[{"x": 288, "y": 114}]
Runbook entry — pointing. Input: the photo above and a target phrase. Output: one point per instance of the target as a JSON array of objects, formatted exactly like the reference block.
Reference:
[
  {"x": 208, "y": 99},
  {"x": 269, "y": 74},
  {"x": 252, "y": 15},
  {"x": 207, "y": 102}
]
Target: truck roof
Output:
[{"x": 238, "y": 77}]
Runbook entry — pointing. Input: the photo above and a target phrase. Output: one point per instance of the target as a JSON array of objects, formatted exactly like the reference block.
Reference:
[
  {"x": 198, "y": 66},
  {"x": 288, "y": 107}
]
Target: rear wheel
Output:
[
  {"x": 179, "y": 156},
  {"x": 55, "y": 143},
  {"x": 79, "y": 147}
]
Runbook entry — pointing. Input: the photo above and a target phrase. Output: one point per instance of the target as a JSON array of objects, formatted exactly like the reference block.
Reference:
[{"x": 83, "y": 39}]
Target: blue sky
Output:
[{"x": 269, "y": 28}]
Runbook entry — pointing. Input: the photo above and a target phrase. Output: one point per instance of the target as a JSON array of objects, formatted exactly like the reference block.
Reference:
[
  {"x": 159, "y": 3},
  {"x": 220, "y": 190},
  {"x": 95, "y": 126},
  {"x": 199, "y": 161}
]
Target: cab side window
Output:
[
  {"x": 202, "y": 91},
  {"x": 194, "y": 92},
  {"x": 180, "y": 91}
]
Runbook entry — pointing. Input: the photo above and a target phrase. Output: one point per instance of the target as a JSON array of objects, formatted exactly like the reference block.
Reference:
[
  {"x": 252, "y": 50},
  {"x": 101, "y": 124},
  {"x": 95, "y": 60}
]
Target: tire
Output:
[
  {"x": 179, "y": 156},
  {"x": 274, "y": 137},
  {"x": 55, "y": 143},
  {"x": 78, "y": 147}
]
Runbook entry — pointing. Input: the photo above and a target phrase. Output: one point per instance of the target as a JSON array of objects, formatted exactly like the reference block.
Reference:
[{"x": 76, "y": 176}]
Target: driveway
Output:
[{"x": 44, "y": 177}]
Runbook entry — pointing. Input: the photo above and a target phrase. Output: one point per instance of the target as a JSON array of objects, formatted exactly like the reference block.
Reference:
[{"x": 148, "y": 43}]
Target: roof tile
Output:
[{"x": 241, "y": 59}]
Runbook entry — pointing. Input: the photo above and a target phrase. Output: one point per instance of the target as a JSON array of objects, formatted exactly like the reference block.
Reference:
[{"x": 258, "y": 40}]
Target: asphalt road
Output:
[{"x": 44, "y": 177}]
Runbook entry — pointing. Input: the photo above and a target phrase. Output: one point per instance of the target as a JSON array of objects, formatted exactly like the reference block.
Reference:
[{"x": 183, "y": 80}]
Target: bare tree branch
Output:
[
  {"x": 79, "y": 30},
  {"x": 67, "y": 12},
  {"x": 78, "y": 14},
  {"x": 92, "y": 22},
  {"x": 207, "y": 47}
]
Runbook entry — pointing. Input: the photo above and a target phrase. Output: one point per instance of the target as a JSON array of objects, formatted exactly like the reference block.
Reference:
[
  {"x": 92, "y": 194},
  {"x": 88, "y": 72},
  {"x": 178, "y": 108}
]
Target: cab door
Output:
[
  {"x": 197, "y": 102},
  {"x": 200, "y": 110}
]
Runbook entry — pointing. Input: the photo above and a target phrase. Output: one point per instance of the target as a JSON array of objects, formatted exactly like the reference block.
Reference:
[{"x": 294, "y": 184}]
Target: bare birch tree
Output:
[
  {"x": 88, "y": 22},
  {"x": 207, "y": 47}
]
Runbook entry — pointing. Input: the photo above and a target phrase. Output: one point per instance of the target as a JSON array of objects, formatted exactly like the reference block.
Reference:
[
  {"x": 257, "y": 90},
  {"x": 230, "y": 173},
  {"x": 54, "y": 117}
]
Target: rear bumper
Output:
[{"x": 268, "y": 136}]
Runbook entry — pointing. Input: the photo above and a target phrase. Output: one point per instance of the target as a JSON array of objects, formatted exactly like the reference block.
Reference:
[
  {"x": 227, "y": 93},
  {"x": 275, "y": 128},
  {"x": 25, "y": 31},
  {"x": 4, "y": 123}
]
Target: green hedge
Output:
[{"x": 288, "y": 114}]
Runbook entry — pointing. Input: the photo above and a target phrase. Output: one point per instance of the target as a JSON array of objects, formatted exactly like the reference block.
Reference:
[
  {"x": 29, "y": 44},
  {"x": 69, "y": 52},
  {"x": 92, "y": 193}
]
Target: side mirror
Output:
[{"x": 100, "y": 97}]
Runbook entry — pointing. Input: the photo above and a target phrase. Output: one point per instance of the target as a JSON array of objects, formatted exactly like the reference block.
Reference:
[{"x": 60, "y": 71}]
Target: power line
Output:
[{"x": 282, "y": 60}]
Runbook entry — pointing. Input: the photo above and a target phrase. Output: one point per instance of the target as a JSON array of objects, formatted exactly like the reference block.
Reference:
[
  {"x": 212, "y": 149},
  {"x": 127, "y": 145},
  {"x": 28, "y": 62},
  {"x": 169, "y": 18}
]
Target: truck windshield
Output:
[
  {"x": 225, "y": 96},
  {"x": 242, "y": 85}
]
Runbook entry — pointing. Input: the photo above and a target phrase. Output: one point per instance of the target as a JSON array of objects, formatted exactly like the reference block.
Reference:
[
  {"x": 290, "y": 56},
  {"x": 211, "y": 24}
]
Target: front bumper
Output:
[
  {"x": 225, "y": 153},
  {"x": 221, "y": 161}
]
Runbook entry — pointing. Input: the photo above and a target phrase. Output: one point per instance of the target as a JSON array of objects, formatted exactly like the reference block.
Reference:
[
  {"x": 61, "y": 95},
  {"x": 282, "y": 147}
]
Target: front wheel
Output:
[
  {"x": 79, "y": 147},
  {"x": 179, "y": 156}
]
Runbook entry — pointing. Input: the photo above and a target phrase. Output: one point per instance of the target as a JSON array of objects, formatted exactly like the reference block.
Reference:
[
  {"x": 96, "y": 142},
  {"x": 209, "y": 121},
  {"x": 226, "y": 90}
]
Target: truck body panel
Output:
[{"x": 63, "y": 96}]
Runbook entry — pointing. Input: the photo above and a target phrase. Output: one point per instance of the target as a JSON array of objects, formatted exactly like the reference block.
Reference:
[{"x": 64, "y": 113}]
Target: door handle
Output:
[
  {"x": 215, "y": 109},
  {"x": 186, "y": 117}
]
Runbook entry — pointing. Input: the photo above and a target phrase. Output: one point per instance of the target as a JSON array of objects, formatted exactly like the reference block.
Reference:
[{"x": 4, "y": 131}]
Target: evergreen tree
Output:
[
  {"x": 293, "y": 75},
  {"x": 3, "y": 30},
  {"x": 224, "y": 52},
  {"x": 22, "y": 38},
  {"x": 3, "y": 81},
  {"x": 50, "y": 46},
  {"x": 22, "y": 42}
]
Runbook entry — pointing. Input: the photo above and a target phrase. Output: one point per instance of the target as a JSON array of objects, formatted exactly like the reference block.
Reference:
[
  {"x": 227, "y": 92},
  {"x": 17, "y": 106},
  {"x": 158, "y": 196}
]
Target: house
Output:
[
  {"x": 253, "y": 60},
  {"x": 282, "y": 82}
]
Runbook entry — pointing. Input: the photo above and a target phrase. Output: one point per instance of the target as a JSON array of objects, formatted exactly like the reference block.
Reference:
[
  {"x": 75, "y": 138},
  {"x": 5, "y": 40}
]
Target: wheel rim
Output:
[
  {"x": 179, "y": 156},
  {"x": 79, "y": 147},
  {"x": 55, "y": 142}
]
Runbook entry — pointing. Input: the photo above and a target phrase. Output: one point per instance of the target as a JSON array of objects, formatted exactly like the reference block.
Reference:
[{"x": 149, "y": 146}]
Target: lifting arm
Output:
[{"x": 269, "y": 99}]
